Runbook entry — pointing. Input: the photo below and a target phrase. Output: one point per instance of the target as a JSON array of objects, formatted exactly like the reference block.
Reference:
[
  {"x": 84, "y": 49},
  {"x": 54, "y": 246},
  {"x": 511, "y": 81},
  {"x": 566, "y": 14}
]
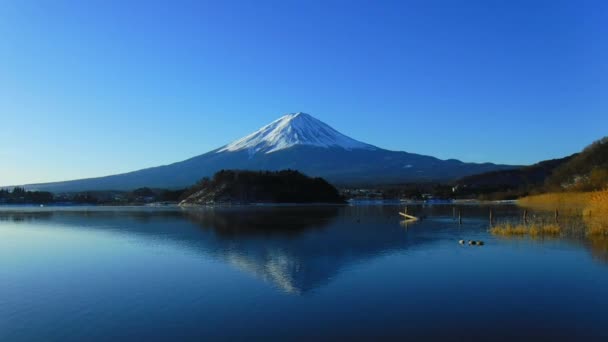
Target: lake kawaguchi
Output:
[{"x": 309, "y": 273}]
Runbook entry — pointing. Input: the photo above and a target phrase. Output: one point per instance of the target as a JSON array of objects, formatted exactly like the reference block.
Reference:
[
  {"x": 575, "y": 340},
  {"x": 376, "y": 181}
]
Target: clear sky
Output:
[{"x": 91, "y": 88}]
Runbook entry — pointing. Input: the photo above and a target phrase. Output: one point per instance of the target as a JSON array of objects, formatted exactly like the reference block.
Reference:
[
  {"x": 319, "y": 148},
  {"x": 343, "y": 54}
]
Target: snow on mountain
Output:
[{"x": 294, "y": 129}]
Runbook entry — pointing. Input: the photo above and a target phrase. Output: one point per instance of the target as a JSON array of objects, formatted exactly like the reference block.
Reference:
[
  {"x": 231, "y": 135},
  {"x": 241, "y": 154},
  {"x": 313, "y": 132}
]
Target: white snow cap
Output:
[{"x": 291, "y": 130}]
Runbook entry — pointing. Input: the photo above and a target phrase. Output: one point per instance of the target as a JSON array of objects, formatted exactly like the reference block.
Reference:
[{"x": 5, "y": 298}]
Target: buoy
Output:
[
  {"x": 472, "y": 243},
  {"x": 461, "y": 242},
  {"x": 479, "y": 243}
]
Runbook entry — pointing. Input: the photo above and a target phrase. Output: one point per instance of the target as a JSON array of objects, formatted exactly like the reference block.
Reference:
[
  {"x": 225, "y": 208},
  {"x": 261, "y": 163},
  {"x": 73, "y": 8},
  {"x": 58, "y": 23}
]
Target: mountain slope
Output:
[
  {"x": 527, "y": 176},
  {"x": 586, "y": 171},
  {"x": 295, "y": 141},
  {"x": 510, "y": 184}
]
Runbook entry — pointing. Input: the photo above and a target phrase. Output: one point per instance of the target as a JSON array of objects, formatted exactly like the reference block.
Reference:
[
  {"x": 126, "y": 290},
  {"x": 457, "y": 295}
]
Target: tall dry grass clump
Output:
[
  {"x": 534, "y": 230},
  {"x": 596, "y": 213}
]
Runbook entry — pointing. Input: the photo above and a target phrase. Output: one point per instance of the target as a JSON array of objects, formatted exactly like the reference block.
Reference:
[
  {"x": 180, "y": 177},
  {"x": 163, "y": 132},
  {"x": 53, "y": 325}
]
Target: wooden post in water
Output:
[
  {"x": 491, "y": 218},
  {"x": 556, "y": 216},
  {"x": 459, "y": 217},
  {"x": 453, "y": 213},
  {"x": 525, "y": 216}
]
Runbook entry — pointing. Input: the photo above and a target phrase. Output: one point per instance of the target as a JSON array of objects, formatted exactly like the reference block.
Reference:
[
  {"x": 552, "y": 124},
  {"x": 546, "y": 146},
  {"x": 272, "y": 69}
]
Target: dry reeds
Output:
[
  {"x": 563, "y": 201},
  {"x": 534, "y": 230},
  {"x": 596, "y": 214},
  {"x": 591, "y": 206}
]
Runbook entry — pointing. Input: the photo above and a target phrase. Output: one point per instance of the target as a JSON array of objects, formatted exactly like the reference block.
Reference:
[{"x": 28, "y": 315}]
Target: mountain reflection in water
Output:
[
  {"x": 281, "y": 273},
  {"x": 297, "y": 249}
]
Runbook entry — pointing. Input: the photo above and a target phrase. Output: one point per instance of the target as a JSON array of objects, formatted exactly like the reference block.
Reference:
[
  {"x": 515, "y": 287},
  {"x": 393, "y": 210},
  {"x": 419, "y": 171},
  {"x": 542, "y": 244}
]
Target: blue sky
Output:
[{"x": 90, "y": 88}]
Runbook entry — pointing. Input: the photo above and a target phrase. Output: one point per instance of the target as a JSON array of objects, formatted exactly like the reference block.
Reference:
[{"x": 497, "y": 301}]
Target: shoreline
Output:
[{"x": 165, "y": 206}]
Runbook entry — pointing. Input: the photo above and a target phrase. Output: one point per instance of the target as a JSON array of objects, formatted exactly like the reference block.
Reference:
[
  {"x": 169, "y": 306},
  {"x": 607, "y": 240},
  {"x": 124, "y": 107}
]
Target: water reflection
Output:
[
  {"x": 297, "y": 249},
  {"x": 598, "y": 247},
  {"x": 277, "y": 245}
]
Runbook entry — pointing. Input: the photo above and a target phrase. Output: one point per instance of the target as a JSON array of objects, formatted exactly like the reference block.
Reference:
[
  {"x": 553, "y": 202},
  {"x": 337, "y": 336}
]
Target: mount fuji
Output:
[
  {"x": 295, "y": 141},
  {"x": 292, "y": 130}
]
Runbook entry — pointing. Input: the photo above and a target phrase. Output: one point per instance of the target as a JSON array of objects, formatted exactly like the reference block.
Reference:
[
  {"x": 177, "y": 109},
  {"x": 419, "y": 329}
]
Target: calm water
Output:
[{"x": 74, "y": 274}]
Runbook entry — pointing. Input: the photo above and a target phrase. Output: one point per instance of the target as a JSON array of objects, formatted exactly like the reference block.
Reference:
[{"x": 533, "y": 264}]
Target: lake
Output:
[{"x": 334, "y": 272}]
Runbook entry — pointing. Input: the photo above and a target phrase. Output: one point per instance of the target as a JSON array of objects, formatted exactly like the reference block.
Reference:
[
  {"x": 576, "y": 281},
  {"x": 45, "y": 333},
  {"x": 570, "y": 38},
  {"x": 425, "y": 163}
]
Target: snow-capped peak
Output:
[{"x": 291, "y": 130}]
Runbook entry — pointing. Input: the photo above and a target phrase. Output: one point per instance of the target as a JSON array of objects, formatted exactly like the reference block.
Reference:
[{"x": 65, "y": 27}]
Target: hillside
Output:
[
  {"x": 242, "y": 187},
  {"x": 513, "y": 183},
  {"x": 584, "y": 171},
  {"x": 587, "y": 171}
]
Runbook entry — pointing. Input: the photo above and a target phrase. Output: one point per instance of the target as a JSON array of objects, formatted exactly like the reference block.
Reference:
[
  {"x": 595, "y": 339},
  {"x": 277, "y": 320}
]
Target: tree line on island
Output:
[{"x": 241, "y": 186}]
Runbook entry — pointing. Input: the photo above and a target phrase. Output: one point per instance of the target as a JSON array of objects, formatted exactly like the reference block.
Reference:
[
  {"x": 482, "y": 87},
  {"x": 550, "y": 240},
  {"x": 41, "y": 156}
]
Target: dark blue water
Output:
[{"x": 75, "y": 274}]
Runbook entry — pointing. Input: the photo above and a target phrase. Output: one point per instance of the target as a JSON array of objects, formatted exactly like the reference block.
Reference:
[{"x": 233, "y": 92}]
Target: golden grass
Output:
[
  {"x": 546, "y": 229},
  {"x": 562, "y": 201},
  {"x": 591, "y": 206},
  {"x": 535, "y": 230},
  {"x": 508, "y": 229},
  {"x": 595, "y": 214}
]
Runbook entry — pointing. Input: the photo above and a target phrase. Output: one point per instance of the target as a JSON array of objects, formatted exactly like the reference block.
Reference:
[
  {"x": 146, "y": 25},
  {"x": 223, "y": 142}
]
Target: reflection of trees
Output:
[
  {"x": 262, "y": 221},
  {"x": 15, "y": 216}
]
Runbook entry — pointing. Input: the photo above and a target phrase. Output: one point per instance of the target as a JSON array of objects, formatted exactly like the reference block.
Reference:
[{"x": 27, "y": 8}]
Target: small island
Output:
[{"x": 245, "y": 187}]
